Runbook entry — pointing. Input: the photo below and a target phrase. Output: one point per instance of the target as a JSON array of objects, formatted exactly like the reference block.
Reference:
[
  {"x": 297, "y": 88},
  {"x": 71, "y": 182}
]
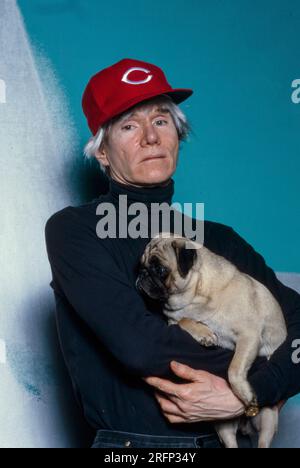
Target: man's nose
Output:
[{"x": 150, "y": 135}]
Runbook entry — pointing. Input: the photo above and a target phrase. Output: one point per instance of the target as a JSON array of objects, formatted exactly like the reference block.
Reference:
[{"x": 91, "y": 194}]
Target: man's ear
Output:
[
  {"x": 185, "y": 257},
  {"x": 101, "y": 156}
]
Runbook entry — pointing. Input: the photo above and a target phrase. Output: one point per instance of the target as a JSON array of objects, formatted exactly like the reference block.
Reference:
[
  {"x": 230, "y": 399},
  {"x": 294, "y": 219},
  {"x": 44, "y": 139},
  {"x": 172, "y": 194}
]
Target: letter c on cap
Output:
[{"x": 146, "y": 80}]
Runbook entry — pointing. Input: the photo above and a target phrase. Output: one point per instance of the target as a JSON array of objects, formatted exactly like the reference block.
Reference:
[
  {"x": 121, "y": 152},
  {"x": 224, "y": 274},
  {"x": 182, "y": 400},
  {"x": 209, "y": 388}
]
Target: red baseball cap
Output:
[{"x": 122, "y": 85}]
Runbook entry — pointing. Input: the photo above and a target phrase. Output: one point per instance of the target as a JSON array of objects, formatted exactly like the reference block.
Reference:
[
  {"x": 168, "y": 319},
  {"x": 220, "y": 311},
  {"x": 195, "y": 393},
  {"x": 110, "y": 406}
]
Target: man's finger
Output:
[
  {"x": 175, "y": 419},
  {"x": 187, "y": 373},
  {"x": 163, "y": 385},
  {"x": 168, "y": 406}
]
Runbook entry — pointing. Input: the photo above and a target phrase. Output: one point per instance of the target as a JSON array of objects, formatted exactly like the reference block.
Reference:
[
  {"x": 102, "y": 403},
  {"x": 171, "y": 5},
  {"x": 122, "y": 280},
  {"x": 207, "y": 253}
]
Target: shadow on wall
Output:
[{"x": 86, "y": 178}]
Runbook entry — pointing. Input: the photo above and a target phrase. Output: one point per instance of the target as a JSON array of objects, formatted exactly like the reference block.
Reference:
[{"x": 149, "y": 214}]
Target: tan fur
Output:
[{"x": 218, "y": 304}]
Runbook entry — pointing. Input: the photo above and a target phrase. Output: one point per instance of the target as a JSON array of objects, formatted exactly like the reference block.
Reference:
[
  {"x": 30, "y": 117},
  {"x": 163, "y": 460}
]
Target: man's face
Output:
[{"x": 148, "y": 132}]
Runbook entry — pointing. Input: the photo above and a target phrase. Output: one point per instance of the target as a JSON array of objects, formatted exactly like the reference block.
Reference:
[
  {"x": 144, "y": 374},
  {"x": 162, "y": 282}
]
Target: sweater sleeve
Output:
[
  {"x": 87, "y": 274},
  {"x": 279, "y": 378}
]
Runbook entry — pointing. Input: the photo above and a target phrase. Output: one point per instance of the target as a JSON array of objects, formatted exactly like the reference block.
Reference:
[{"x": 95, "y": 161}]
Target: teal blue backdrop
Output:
[{"x": 241, "y": 58}]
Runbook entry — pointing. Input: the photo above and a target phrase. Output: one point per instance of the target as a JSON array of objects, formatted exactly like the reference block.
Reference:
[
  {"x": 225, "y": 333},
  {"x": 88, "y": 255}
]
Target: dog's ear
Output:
[{"x": 185, "y": 257}]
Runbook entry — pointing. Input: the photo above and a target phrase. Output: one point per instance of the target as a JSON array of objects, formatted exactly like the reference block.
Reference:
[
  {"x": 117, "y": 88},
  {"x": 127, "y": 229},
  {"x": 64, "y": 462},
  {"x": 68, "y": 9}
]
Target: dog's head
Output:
[{"x": 166, "y": 266}]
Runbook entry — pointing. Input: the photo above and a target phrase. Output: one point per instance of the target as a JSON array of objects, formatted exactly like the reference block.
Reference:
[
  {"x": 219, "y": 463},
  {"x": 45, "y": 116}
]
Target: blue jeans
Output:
[
  {"x": 114, "y": 439},
  {"x": 117, "y": 439}
]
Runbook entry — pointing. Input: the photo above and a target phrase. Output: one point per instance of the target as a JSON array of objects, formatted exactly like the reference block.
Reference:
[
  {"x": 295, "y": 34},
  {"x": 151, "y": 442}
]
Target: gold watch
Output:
[{"x": 253, "y": 409}]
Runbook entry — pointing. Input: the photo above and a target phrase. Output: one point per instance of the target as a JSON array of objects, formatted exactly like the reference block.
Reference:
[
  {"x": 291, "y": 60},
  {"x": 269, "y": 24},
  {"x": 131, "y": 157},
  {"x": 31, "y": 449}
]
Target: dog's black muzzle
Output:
[{"x": 151, "y": 285}]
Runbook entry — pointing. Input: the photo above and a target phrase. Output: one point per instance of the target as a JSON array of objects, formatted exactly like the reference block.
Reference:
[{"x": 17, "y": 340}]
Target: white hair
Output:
[{"x": 180, "y": 120}]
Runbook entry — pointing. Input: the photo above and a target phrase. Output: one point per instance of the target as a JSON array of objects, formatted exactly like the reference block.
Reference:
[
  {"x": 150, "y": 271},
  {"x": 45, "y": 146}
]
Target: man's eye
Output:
[
  {"x": 127, "y": 127},
  {"x": 161, "y": 122}
]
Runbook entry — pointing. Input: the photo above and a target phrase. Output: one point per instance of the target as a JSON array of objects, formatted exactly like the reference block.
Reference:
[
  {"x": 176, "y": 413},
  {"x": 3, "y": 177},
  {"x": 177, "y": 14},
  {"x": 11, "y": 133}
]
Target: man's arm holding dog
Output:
[
  {"x": 104, "y": 299},
  {"x": 102, "y": 296}
]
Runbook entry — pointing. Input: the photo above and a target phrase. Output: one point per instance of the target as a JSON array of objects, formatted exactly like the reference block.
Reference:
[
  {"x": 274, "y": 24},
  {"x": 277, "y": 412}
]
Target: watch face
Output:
[
  {"x": 253, "y": 408},
  {"x": 252, "y": 411}
]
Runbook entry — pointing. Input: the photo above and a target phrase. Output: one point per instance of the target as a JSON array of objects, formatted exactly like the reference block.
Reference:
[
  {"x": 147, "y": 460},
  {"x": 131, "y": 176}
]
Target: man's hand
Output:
[{"x": 205, "y": 398}]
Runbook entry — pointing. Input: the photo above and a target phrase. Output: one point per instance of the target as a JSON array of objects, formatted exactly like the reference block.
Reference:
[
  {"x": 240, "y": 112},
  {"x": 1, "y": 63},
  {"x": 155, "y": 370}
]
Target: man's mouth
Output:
[{"x": 153, "y": 158}]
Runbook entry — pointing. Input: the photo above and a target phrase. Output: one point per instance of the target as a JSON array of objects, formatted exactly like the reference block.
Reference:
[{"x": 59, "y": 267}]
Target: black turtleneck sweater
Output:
[{"x": 111, "y": 336}]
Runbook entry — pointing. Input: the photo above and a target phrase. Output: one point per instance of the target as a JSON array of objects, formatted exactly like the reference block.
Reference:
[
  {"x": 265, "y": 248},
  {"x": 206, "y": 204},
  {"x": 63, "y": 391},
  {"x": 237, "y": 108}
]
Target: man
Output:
[{"x": 138, "y": 380}]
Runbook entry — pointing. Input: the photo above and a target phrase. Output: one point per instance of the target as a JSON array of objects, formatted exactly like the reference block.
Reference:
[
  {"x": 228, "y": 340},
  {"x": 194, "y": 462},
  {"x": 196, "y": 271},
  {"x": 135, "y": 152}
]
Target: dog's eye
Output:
[
  {"x": 158, "y": 269},
  {"x": 162, "y": 271}
]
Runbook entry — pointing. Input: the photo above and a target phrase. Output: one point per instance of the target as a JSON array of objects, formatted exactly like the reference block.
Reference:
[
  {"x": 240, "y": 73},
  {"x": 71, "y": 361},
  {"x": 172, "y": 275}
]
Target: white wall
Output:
[{"x": 35, "y": 154}]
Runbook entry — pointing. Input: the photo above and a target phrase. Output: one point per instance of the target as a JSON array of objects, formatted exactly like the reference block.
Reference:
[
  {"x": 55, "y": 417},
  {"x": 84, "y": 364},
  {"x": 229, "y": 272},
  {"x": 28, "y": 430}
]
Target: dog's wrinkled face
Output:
[{"x": 165, "y": 267}]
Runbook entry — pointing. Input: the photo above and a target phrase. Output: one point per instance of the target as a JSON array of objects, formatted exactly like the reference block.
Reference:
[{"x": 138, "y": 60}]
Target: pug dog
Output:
[{"x": 207, "y": 296}]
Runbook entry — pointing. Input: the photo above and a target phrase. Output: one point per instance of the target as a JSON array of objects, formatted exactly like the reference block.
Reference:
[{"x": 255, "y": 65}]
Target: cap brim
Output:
[{"x": 180, "y": 95}]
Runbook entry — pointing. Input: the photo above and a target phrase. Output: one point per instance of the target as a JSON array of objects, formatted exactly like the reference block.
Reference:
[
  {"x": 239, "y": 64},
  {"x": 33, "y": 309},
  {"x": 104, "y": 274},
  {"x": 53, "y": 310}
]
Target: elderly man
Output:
[{"x": 140, "y": 382}]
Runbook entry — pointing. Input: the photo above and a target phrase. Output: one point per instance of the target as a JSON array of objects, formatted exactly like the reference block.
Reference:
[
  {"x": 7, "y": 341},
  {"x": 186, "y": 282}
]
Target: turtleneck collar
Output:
[{"x": 147, "y": 195}]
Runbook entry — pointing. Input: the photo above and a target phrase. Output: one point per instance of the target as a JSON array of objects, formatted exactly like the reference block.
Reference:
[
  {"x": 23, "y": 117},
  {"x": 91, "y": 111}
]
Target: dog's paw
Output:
[
  {"x": 209, "y": 340},
  {"x": 199, "y": 332}
]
